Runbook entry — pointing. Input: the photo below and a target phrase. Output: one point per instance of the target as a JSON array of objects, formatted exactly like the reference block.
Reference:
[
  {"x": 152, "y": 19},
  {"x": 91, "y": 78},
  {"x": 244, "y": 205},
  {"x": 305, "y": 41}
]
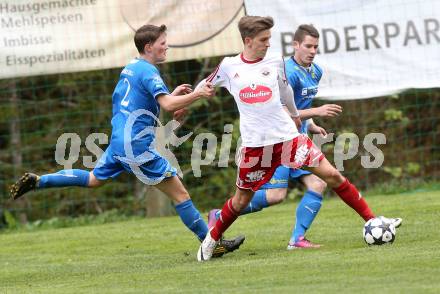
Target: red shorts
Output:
[{"x": 256, "y": 165}]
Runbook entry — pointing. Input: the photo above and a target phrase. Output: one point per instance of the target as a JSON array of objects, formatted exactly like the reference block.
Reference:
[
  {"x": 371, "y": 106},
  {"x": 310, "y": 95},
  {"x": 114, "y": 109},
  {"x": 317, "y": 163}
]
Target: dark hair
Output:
[
  {"x": 250, "y": 26},
  {"x": 147, "y": 34},
  {"x": 305, "y": 30}
]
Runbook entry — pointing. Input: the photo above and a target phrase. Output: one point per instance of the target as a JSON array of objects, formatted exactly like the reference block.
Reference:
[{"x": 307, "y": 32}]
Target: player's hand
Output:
[
  {"x": 328, "y": 110},
  {"x": 207, "y": 90},
  {"x": 297, "y": 122},
  {"x": 182, "y": 90},
  {"x": 180, "y": 114},
  {"x": 315, "y": 129}
]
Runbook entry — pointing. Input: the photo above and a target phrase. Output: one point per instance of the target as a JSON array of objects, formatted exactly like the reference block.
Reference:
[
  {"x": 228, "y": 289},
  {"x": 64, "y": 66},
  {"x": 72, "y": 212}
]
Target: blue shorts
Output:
[
  {"x": 280, "y": 178},
  {"x": 151, "y": 172}
]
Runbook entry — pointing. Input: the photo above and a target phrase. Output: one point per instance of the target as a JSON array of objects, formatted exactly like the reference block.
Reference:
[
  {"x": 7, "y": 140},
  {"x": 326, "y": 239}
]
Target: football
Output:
[{"x": 379, "y": 231}]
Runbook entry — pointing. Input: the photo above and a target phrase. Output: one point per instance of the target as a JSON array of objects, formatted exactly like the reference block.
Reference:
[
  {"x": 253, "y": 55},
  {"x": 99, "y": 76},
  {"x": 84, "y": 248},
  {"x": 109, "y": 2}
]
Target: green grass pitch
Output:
[{"x": 159, "y": 255}]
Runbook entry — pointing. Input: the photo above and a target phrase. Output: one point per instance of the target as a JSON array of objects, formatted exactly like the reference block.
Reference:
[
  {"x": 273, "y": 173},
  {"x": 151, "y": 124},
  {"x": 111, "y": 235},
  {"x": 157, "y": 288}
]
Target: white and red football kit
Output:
[
  {"x": 269, "y": 136},
  {"x": 257, "y": 87}
]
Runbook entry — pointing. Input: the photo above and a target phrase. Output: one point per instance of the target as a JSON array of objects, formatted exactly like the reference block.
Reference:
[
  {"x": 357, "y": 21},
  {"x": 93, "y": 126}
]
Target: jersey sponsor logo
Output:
[
  {"x": 309, "y": 92},
  {"x": 255, "y": 94},
  {"x": 255, "y": 176}
]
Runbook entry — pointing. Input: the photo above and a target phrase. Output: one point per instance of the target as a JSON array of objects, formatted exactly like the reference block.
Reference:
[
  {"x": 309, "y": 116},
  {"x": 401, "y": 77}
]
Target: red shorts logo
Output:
[
  {"x": 255, "y": 94},
  {"x": 255, "y": 176}
]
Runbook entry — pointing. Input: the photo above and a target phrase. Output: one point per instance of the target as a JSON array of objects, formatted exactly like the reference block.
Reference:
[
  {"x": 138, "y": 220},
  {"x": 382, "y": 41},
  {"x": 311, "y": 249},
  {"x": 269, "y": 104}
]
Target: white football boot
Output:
[
  {"x": 207, "y": 248},
  {"x": 397, "y": 221}
]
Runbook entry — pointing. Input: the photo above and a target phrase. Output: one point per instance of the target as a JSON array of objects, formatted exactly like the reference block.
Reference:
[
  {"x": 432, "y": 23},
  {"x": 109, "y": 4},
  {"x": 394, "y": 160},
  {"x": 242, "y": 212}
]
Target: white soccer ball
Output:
[{"x": 378, "y": 231}]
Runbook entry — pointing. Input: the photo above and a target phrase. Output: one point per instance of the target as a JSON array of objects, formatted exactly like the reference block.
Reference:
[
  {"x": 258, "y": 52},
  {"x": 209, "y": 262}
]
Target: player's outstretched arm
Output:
[
  {"x": 204, "y": 82},
  {"x": 182, "y": 89},
  {"x": 172, "y": 103},
  {"x": 326, "y": 110}
]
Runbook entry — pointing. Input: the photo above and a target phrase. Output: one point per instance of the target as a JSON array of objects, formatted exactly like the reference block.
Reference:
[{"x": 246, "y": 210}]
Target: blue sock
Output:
[
  {"x": 65, "y": 178},
  {"x": 258, "y": 202},
  {"x": 192, "y": 219},
  {"x": 306, "y": 212}
]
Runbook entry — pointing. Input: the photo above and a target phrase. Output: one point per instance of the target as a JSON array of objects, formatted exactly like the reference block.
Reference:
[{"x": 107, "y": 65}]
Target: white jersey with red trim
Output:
[{"x": 256, "y": 90}]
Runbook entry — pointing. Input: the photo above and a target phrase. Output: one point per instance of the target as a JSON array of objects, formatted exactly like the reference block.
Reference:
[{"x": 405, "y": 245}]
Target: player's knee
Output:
[
  {"x": 317, "y": 185},
  {"x": 240, "y": 203},
  {"x": 275, "y": 196},
  {"x": 334, "y": 178},
  {"x": 181, "y": 196},
  {"x": 241, "y": 199}
]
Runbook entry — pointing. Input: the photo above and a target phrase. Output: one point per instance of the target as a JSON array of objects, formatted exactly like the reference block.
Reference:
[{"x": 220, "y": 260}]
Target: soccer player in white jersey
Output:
[
  {"x": 269, "y": 131},
  {"x": 137, "y": 99},
  {"x": 303, "y": 76}
]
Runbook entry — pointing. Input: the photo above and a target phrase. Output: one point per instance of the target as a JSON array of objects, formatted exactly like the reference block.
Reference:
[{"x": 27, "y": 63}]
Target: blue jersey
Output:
[
  {"x": 304, "y": 82},
  {"x": 135, "y": 97}
]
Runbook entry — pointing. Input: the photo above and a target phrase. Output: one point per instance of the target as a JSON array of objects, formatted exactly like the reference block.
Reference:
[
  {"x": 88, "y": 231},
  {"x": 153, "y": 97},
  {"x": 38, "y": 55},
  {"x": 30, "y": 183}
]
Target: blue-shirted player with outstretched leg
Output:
[{"x": 137, "y": 99}]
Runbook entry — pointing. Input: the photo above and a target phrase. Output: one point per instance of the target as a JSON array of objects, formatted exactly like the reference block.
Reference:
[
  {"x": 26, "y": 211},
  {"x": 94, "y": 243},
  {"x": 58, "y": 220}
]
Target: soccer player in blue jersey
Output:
[
  {"x": 137, "y": 99},
  {"x": 303, "y": 75}
]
